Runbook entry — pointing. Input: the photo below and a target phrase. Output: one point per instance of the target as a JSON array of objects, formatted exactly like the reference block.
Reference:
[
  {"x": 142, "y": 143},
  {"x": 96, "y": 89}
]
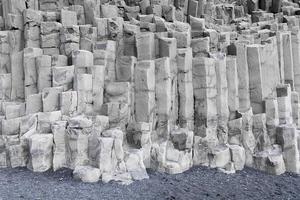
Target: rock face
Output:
[{"x": 111, "y": 88}]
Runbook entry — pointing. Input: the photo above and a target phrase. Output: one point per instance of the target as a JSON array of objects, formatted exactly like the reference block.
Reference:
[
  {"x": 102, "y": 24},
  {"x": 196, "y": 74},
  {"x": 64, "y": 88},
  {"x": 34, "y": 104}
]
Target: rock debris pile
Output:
[{"x": 110, "y": 88}]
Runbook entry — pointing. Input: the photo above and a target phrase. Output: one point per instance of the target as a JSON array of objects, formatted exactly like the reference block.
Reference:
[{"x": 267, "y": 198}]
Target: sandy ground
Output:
[{"x": 197, "y": 183}]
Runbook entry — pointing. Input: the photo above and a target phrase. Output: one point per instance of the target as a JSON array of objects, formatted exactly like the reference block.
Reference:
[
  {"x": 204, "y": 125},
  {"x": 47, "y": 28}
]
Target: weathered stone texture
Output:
[{"x": 109, "y": 89}]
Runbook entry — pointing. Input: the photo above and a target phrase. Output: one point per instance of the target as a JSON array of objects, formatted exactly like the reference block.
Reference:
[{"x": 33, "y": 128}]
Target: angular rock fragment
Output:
[{"x": 86, "y": 174}]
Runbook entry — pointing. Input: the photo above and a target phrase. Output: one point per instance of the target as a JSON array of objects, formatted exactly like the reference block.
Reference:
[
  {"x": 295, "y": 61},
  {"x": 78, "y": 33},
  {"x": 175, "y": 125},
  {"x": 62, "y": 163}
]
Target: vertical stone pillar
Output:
[
  {"x": 68, "y": 102},
  {"x": 185, "y": 88},
  {"x": 40, "y": 148},
  {"x": 284, "y": 41},
  {"x": 69, "y": 38},
  {"x": 83, "y": 82},
  {"x": 59, "y": 130},
  {"x": 17, "y": 78},
  {"x": 79, "y": 12},
  {"x": 255, "y": 78},
  {"x": 233, "y": 86},
  {"x": 197, "y": 26},
  {"x": 105, "y": 54},
  {"x": 272, "y": 118},
  {"x": 295, "y": 107},
  {"x": 125, "y": 67},
  {"x": 284, "y": 104},
  {"x": 50, "y": 37},
  {"x": 63, "y": 76},
  {"x": 91, "y": 10},
  {"x": 296, "y": 57},
  {"x": 288, "y": 59},
  {"x": 77, "y": 141},
  {"x": 205, "y": 95},
  {"x": 102, "y": 28},
  {"x": 163, "y": 92},
  {"x": 12, "y": 13},
  {"x": 44, "y": 72},
  {"x": 3, "y": 153},
  {"x": 243, "y": 76},
  {"x": 201, "y": 5},
  {"x": 84, "y": 88},
  {"x": 222, "y": 97},
  {"x": 287, "y": 138},
  {"x": 193, "y": 8},
  {"x": 30, "y": 70},
  {"x": 259, "y": 129},
  {"x": 98, "y": 75},
  {"x": 51, "y": 98},
  {"x": 68, "y": 18},
  {"x": 206, "y": 112},
  {"x": 34, "y": 104},
  {"x": 145, "y": 46},
  {"x": 32, "y": 26},
  {"x": 5, "y": 64},
  {"x": 5, "y": 86},
  {"x": 168, "y": 48},
  {"x": 276, "y": 6},
  {"x": 144, "y": 82},
  {"x": 88, "y": 36},
  {"x": 270, "y": 65},
  {"x": 248, "y": 139},
  {"x": 129, "y": 39}
]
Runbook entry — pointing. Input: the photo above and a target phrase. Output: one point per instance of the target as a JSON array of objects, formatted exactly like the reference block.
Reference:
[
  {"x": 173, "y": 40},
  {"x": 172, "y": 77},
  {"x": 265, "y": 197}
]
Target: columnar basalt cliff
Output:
[{"x": 110, "y": 88}]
